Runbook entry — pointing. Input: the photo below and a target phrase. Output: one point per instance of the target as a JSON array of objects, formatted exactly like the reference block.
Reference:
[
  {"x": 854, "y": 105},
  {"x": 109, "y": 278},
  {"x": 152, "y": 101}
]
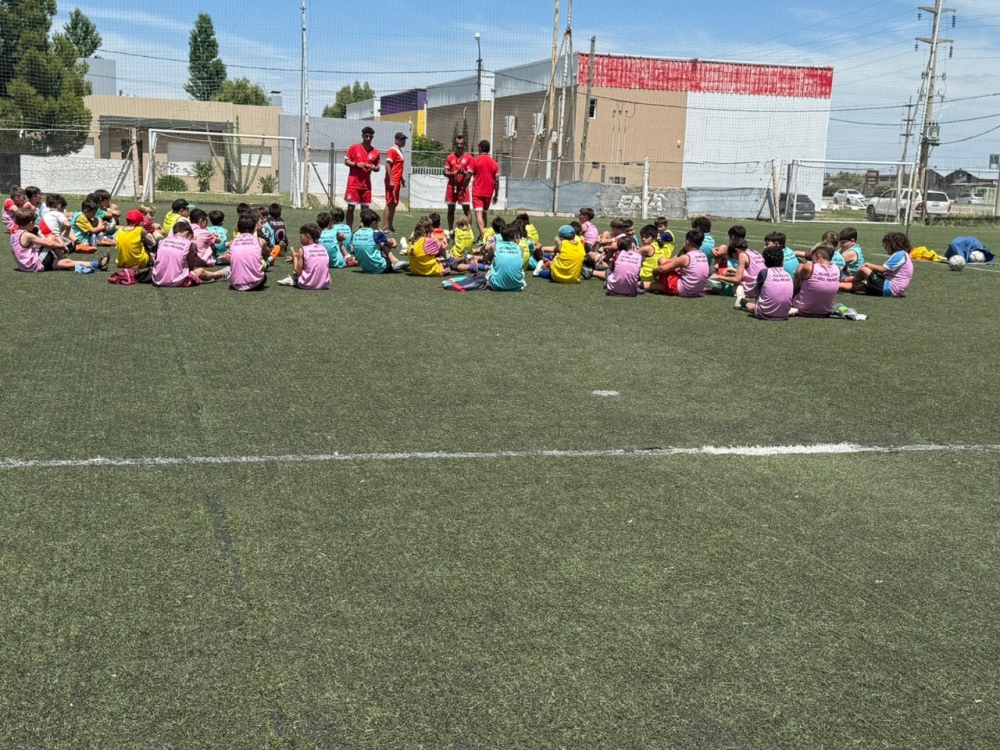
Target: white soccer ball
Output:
[
  {"x": 956, "y": 263},
  {"x": 977, "y": 256}
]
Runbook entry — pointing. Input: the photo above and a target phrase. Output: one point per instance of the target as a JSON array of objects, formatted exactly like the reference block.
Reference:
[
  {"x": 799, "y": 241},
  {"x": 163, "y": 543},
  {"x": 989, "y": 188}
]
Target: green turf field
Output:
[{"x": 375, "y": 600}]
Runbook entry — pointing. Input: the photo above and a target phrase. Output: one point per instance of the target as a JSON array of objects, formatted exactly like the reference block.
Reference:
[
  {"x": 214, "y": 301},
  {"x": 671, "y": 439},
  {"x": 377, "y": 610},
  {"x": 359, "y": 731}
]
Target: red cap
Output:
[{"x": 135, "y": 216}]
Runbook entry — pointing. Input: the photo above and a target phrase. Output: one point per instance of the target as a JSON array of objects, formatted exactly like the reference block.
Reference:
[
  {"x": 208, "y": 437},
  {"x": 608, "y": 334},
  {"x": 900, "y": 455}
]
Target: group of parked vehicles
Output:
[{"x": 889, "y": 205}]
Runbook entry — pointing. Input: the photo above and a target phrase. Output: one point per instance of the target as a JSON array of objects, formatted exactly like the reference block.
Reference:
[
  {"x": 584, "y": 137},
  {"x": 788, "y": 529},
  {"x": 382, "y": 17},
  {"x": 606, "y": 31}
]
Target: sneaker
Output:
[
  {"x": 586, "y": 273},
  {"x": 351, "y": 262},
  {"x": 792, "y": 312},
  {"x": 400, "y": 265},
  {"x": 402, "y": 244},
  {"x": 287, "y": 281},
  {"x": 740, "y": 296},
  {"x": 103, "y": 263},
  {"x": 538, "y": 270}
]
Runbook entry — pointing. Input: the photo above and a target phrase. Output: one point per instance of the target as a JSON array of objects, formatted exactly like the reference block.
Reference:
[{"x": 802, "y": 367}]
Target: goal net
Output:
[
  {"x": 224, "y": 165},
  {"x": 832, "y": 190}
]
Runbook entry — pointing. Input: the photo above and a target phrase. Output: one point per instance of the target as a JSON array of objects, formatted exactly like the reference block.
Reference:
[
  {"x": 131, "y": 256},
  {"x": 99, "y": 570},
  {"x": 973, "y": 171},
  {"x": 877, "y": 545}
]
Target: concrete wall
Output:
[
  {"x": 73, "y": 175},
  {"x": 427, "y": 192},
  {"x": 738, "y": 203}
]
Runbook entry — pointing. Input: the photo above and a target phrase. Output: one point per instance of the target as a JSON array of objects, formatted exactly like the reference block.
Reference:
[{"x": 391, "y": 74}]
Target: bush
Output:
[
  {"x": 171, "y": 184},
  {"x": 203, "y": 172},
  {"x": 268, "y": 183}
]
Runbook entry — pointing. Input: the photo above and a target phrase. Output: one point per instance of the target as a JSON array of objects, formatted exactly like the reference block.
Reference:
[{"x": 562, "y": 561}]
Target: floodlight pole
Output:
[
  {"x": 479, "y": 88},
  {"x": 304, "y": 113}
]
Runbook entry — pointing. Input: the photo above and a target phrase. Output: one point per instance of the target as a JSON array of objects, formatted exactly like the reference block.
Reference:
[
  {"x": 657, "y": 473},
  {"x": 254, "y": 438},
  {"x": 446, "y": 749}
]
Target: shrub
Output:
[
  {"x": 268, "y": 183},
  {"x": 171, "y": 184},
  {"x": 203, "y": 171}
]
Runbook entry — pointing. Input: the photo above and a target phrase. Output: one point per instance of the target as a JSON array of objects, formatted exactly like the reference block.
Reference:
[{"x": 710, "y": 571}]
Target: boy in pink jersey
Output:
[
  {"x": 204, "y": 240},
  {"x": 623, "y": 273},
  {"x": 34, "y": 253},
  {"x": 774, "y": 288},
  {"x": 363, "y": 159},
  {"x": 684, "y": 275},
  {"x": 891, "y": 279},
  {"x": 394, "y": 181},
  {"x": 176, "y": 261},
  {"x": 817, "y": 281},
  {"x": 742, "y": 268},
  {"x": 311, "y": 262},
  {"x": 247, "y": 254}
]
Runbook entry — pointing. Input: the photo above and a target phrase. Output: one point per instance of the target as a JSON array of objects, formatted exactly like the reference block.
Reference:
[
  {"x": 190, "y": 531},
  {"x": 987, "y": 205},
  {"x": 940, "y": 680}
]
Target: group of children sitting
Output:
[{"x": 192, "y": 246}]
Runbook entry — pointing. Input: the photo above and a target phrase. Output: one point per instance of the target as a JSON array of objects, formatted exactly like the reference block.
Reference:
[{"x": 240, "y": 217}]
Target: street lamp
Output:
[{"x": 479, "y": 88}]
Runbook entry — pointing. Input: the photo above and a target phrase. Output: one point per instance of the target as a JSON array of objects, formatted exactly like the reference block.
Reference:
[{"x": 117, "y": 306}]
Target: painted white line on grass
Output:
[
  {"x": 606, "y": 394},
  {"x": 819, "y": 449}
]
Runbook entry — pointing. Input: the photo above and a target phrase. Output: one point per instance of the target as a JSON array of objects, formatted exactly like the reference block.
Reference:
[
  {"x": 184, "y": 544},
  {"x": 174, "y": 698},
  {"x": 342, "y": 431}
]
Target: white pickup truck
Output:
[{"x": 892, "y": 205}]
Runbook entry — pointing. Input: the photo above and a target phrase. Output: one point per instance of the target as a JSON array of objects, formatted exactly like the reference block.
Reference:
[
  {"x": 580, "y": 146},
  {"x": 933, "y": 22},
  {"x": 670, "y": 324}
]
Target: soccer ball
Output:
[
  {"x": 956, "y": 263},
  {"x": 977, "y": 256}
]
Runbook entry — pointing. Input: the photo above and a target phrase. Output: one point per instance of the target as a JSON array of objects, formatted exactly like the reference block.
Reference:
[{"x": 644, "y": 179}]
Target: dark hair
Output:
[
  {"x": 435, "y": 219},
  {"x": 274, "y": 210},
  {"x": 367, "y": 130},
  {"x": 512, "y": 230},
  {"x": 848, "y": 234},
  {"x": 498, "y": 224},
  {"x": 587, "y": 213},
  {"x": 182, "y": 226},
  {"x": 737, "y": 246},
  {"x": 179, "y": 205},
  {"x": 617, "y": 224},
  {"x": 368, "y": 217},
  {"x": 776, "y": 237},
  {"x": 773, "y": 256},
  {"x": 624, "y": 243},
  {"x": 246, "y": 223},
  {"x": 695, "y": 238},
  {"x": 216, "y": 217},
  {"x": 337, "y": 215},
  {"x": 738, "y": 231},
  {"x": 242, "y": 208},
  {"x": 661, "y": 220},
  {"x": 24, "y": 216},
  {"x": 311, "y": 229},
  {"x": 702, "y": 223},
  {"x": 484, "y": 147},
  {"x": 627, "y": 224},
  {"x": 324, "y": 220},
  {"x": 54, "y": 200},
  {"x": 31, "y": 191},
  {"x": 197, "y": 215},
  {"x": 577, "y": 227},
  {"x": 16, "y": 190},
  {"x": 101, "y": 195},
  {"x": 88, "y": 205},
  {"x": 523, "y": 218},
  {"x": 896, "y": 241},
  {"x": 649, "y": 231}
]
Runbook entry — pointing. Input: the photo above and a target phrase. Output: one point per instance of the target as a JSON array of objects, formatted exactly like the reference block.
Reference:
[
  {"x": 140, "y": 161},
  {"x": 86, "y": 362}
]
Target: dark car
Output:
[{"x": 805, "y": 209}]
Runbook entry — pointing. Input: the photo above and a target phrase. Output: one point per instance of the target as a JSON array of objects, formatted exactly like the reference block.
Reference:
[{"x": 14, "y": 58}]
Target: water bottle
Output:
[{"x": 847, "y": 312}]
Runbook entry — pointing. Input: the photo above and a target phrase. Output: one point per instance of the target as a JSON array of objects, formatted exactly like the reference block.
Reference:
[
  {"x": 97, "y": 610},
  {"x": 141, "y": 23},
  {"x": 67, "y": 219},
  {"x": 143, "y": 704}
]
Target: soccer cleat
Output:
[
  {"x": 400, "y": 265},
  {"x": 586, "y": 273},
  {"x": 287, "y": 281},
  {"x": 740, "y": 296}
]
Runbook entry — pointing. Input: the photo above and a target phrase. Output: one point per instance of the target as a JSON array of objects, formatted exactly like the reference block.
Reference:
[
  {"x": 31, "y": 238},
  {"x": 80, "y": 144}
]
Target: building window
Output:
[
  {"x": 592, "y": 109},
  {"x": 617, "y": 180}
]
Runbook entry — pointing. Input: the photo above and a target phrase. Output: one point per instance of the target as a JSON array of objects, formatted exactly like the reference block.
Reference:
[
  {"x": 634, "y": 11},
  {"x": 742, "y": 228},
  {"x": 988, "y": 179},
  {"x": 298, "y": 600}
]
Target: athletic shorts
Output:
[
  {"x": 259, "y": 287},
  {"x": 354, "y": 196},
  {"x": 48, "y": 259},
  {"x": 391, "y": 195},
  {"x": 481, "y": 203},
  {"x": 875, "y": 285},
  {"x": 669, "y": 283},
  {"x": 455, "y": 194}
]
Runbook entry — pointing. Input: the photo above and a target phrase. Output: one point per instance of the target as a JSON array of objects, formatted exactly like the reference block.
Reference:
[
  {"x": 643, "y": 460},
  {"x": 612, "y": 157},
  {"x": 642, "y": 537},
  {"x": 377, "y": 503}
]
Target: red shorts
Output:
[
  {"x": 455, "y": 194},
  {"x": 355, "y": 195},
  {"x": 391, "y": 194},
  {"x": 191, "y": 280},
  {"x": 481, "y": 203},
  {"x": 669, "y": 283}
]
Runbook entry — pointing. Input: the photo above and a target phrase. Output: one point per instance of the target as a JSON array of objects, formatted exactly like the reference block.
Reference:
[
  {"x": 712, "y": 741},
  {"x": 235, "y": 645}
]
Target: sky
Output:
[{"x": 400, "y": 44}]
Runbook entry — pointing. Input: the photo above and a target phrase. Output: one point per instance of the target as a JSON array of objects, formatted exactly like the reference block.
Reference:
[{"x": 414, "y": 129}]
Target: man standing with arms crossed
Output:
[
  {"x": 485, "y": 185},
  {"x": 458, "y": 168},
  {"x": 363, "y": 159},
  {"x": 394, "y": 181}
]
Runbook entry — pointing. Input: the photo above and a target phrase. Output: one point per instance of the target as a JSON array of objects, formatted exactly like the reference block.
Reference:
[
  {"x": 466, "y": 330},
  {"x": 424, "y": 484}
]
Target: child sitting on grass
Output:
[
  {"x": 149, "y": 221},
  {"x": 88, "y": 227},
  {"x": 464, "y": 238},
  {"x": 373, "y": 249},
  {"x": 624, "y": 268},
  {"x": 176, "y": 263},
  {"x": 311, "y": 262},
  {"x": 891, "y": 279},
  {"x": 816, "y": 282},
  {"x": 426, "y": 254},
  {"x": 853, "y": 255},
  {"x": 179, "y": 209},
  {"x": 135, "y": 245},
  {"x": 774, "y": 288},
  {"x": 530, "y": 232},
  {"x": 216, "y": 225},
  {"x": 34, "y": 253},
  {"x": 337, "y": 255},
  {"x": 566, "y": 265},
  {"x": 506, "y": 271},
  {"x": 16, "y": 199},
  {"x": 684, "y": 275},
  {"x": 247, "y": 255},
  {"x": 56, "y": 223}
]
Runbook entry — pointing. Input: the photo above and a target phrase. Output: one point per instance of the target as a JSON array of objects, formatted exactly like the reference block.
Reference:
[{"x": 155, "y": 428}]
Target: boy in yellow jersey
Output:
[
  {"x": 530, "y": 232},
  {"x": 179, "y": 209},
  {"x": 652, "y": 252},
  {"x": 567, "y": 265},
  {"x": 135, "y": 245}
]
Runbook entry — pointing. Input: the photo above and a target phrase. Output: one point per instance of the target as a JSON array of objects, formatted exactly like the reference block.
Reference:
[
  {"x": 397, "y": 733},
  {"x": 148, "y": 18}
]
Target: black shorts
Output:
[
  {"x": 48, "y": 259},
  {"x": 875, "y": 285}
]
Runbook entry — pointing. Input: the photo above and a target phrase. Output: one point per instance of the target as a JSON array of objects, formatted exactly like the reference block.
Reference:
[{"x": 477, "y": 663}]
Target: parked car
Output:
[
  {"x": 805, "y": 209},
  {"x": 892, "y": 205},
  {"x": 850, "y": 197},
  {"x": 970, "y": 199}
]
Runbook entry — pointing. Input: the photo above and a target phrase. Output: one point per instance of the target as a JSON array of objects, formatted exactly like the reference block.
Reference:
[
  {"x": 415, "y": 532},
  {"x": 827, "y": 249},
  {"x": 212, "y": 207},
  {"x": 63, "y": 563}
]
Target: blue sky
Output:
[{"x": 397, "y": 44}]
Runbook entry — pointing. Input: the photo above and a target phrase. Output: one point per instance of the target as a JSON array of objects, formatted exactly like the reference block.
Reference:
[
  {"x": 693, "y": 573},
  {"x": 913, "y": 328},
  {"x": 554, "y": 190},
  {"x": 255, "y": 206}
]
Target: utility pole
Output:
[
  {"x": 304, "y": 114},
  {"x": 567, "y": 62},
  {"x": 586, "y": 107},
  {"x": 930, "y": 132},
  {"x": 907, "y": 133},
  {"x": 550, "y": 129}
]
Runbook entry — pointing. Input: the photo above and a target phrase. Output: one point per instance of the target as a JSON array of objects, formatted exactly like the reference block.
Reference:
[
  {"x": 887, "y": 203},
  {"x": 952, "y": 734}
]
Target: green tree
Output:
[
  {"x": 206, "y": 71},
  {"x": 242, "y": 91},
  {"x": 427, "y": 152},
  {"x": 41, "y": 83},
  {"x": 82, "y": 32},
  {"x": 348, "y": 95}
]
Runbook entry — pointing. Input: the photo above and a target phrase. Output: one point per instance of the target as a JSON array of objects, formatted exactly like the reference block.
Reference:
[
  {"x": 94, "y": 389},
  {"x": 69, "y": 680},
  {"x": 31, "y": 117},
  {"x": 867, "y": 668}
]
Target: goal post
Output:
[
  {"x": 237, "y": 164},
  {"x": 839, "y": 186}
]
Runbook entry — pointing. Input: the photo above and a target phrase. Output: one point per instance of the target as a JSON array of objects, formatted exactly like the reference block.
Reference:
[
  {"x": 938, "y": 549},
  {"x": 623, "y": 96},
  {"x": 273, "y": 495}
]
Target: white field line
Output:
[{"x": 820, "y": 449}]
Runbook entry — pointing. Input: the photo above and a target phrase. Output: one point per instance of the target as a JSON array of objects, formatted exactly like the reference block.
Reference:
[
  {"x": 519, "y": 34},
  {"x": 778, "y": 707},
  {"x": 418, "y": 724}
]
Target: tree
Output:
[
  {"x": 41, "y": 83},
  {"x": 427, "y": 152},
  {"x": 348, "y": 95},
  {"x": 206, "y": 71},
  {"x": 82, "y": 33},
  {"x": 242, "y": 91}
]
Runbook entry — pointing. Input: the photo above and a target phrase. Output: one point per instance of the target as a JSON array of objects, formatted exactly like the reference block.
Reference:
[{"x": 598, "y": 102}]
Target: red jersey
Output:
[
  {"x": 485, "y": 175},
  {"x": 361, "y": 178},
  {"x": 462, "y": 166},
  {"x": 395, "y": 162}
]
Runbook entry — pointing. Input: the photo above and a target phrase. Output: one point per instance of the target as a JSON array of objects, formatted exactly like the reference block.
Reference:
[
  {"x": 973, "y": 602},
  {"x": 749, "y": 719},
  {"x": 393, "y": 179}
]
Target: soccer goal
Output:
[
  {"x": 831, "y": 189},
  {"x": 229, "y": 164}
]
